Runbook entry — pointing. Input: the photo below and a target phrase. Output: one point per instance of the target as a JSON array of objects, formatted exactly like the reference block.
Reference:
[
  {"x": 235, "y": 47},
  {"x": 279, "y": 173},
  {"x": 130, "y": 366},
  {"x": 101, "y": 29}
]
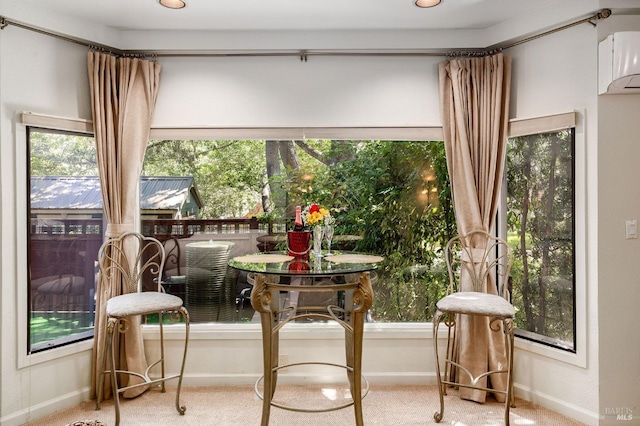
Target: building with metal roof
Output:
[{"x": 79, "y": 197}]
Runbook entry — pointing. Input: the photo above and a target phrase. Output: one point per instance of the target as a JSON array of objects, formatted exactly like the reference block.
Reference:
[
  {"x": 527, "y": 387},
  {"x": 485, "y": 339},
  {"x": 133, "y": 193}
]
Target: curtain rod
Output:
[
  {"x": 304, "y": 54},
  {"x": 4, "y": 22},
  {"x": 602, "y": 14}
]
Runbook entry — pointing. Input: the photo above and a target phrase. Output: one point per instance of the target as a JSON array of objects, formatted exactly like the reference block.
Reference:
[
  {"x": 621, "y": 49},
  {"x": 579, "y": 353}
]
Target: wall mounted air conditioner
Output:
[{"x": 619, "y": 63}]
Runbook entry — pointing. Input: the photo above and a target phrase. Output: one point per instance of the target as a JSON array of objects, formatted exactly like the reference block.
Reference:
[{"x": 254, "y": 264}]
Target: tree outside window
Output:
[
  {"x": 540, "y": 216},
  {"x": 394, "y": 195}
]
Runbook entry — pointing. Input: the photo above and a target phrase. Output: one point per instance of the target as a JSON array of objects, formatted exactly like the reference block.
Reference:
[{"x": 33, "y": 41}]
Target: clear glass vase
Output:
[
  {"x": 317, "y": 241},
  {"x": 328, "y": 236}
]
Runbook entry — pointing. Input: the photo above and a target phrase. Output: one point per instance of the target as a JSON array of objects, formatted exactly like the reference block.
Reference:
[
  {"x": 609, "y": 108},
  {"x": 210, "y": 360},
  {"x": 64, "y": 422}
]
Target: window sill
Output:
[
  {"x": 27, "y": 360},
  {"x": 295, "y": 331},
  {"x": 372, "y": 331},
  {"x": 551, "y": 352}
]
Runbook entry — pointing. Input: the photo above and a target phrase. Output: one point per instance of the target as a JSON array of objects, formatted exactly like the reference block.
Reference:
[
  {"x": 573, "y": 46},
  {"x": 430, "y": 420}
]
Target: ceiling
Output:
[
  {"x": 145, "y": 24},
  {"x": 294, "y": 14}
]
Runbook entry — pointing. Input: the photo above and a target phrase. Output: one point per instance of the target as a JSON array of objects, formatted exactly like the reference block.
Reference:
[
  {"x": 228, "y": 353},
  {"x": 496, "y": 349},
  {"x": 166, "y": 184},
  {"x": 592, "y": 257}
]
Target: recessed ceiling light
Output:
[
  {"x": 427, "y": 3},
  {"x": 173, "y": 4}
]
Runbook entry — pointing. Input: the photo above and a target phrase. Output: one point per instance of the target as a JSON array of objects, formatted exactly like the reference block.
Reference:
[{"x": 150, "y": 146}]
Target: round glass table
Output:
[{"x": 346, "y": 277}]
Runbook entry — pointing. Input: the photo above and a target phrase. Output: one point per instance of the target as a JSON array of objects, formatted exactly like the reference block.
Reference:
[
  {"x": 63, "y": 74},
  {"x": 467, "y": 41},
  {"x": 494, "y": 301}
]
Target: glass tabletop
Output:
[{"x": 279, "y": 263}]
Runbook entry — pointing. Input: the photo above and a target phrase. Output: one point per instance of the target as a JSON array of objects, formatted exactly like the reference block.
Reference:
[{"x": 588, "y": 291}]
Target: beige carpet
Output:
[{"x": 238, "y": 405}]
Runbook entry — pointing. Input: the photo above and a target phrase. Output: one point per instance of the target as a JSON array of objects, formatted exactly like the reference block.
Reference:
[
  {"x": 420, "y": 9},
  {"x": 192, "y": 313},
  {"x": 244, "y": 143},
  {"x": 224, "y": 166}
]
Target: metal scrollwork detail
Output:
[
  {"x": 508, "y": 323},
  {"x": 260, "y": 296},
  {"x": 175, "y": 316},
  {"x": 121, "y": 325},
  {"x": 363, "y": 295},
  {"x": 449, "y": 320},
  {"x": 495, "y": 324}
]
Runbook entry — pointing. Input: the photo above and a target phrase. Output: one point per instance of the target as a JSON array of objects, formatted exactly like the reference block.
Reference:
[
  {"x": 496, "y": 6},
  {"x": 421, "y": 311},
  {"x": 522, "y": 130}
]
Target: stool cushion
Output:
[
  {"x": 476, "y": 303},
  {"x": 141, "y": 303}
]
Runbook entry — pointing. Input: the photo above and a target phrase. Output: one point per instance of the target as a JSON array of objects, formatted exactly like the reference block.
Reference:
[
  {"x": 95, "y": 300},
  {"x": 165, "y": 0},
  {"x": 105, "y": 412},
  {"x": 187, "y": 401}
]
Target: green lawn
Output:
[{"x": 48, "y": 326}]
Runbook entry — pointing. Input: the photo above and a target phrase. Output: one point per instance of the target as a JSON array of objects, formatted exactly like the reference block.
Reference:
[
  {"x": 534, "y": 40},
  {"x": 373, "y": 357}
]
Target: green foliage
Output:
[
  {"x": 383, "y": 192},
  {"x": 394, "y": 194},
  {"x": 228, "y": 174},
  {"x": 540, "y": 226},
  {"x": 54, "y": 154}
]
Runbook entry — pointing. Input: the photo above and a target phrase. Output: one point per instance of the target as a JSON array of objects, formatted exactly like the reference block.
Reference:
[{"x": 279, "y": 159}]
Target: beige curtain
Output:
[
  {"x": 474, "y": 106},
  {"x": 123, "y": 97}
]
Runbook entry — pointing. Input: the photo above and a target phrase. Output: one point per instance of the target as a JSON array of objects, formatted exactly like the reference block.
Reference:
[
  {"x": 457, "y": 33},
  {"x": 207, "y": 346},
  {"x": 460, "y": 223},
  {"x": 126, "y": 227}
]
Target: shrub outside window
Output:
[
  {"x": 390, "y": 198},
  {"x": 393, "y": 197}
]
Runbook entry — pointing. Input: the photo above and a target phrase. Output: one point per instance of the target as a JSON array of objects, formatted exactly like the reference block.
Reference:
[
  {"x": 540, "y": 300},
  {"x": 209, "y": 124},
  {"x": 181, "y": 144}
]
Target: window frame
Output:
[
  {"x": 78, "y": 336},
  {"x": 540, "y": 338},
  {"x": 548, "y": 123},
  {"x": 24, "y": 358},
  {"x": 573, "y": 120}
]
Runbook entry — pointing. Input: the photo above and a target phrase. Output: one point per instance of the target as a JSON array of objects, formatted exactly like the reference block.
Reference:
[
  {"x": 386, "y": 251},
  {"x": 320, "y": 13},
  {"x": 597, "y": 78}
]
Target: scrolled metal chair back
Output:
[
  {"x": 476, "y": 260},
  {"x": 132, "y": 256}
]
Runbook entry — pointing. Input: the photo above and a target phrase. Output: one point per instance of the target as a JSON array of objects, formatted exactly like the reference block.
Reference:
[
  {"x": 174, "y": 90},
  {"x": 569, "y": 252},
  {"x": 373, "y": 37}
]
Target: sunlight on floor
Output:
[
  {"x": 332, "y": 393},
  {"x": 517, "y": 420}
]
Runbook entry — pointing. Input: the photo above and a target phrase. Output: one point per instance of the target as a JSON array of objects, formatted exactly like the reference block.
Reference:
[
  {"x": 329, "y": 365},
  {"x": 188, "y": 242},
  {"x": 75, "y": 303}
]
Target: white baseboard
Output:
[
  {"x": 565, "y": 408},
  {"x": 40, "y": 410},
  {"x": 63, "y": 401}
]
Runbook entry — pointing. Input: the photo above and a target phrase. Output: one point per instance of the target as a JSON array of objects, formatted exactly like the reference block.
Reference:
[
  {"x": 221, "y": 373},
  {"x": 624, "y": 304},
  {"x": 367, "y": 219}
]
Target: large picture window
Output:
[
  {"x": 394, "y": 196},
  {"x": 389, "y": 198},
  {"x": 65, "y": 233}
]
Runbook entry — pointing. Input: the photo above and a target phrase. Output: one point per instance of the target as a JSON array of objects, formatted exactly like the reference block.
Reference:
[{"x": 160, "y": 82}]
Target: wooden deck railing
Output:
[
  {"x": 173, "y": 228},
  {"x": 69, "y": 247},
  {"x": 66, "y": 226},
  {"x": 160, "y": 228}
]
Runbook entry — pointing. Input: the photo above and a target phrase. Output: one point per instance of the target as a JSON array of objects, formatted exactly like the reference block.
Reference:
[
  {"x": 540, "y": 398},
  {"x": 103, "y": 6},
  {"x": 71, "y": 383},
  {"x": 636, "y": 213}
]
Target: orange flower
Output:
[{"x": 316, "y": 215}]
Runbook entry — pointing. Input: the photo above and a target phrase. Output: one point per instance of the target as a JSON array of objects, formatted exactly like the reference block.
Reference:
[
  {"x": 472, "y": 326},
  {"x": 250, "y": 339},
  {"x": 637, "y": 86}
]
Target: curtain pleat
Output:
[
  {"x": 123, "y": 96},
  {"x": 474, "y": 105}
]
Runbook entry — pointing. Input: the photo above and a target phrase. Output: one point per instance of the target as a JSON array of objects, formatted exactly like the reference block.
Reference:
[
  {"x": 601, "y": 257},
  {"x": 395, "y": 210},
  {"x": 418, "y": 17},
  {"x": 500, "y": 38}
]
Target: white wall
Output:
[
  {"x": 554, "y": 74},
  {"x": 37, "y": 73},
  {"x": 551, "y": 75},
  {"x": 550, "y": 79},
  {"x": 285, "y": 92},
  {"x": 618, "y": 265}
]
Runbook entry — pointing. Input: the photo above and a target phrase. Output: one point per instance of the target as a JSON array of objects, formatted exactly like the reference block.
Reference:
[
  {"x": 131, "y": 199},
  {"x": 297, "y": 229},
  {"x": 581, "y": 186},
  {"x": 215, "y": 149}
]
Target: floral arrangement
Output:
[{"x": 315, "y": 215}]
